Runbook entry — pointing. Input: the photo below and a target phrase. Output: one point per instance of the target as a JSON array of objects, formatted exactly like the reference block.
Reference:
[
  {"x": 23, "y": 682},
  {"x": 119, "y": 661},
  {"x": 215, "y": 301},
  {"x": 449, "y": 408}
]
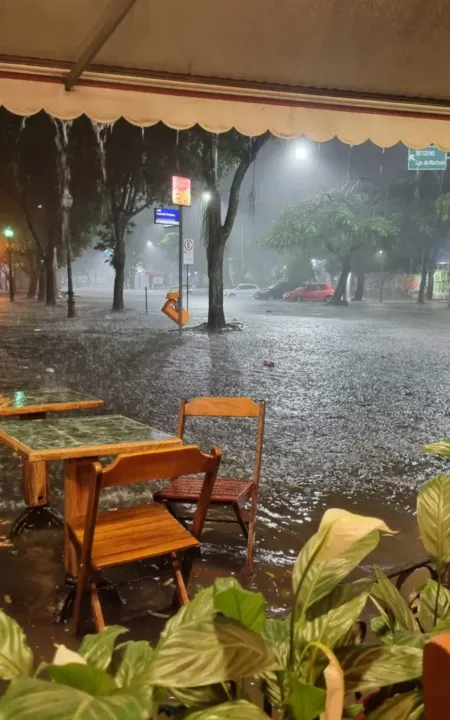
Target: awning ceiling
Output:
[{"x": 359, "y": 69}]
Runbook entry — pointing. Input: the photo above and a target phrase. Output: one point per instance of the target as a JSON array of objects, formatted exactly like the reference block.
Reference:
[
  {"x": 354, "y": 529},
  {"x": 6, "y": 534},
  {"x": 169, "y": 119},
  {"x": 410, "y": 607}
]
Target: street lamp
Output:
[
  {"x": 149, "y": 243},
  {"x": 206, "y": 196},
  {"x": 66, "y": 204},
  {"x": 8, "y": 232},
  {"x": 302, "y": 151},
  {"x": 381, "y": 255}
]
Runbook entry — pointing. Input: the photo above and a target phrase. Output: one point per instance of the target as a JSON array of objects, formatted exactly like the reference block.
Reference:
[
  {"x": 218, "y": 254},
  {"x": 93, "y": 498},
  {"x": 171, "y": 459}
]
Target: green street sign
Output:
[{"x": 429, "y": 158}]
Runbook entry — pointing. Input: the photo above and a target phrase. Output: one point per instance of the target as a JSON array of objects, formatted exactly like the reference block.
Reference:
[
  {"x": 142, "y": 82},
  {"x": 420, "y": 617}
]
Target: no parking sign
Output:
[{"x": 188, "y": 251}]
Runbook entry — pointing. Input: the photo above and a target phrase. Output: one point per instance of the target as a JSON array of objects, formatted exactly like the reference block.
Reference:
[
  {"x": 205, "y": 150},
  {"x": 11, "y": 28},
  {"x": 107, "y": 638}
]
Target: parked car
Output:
[
  {"x": 314, "y": 292},
  {"x": 274, "y": 292},
  {"x": 242, "y": 289}
]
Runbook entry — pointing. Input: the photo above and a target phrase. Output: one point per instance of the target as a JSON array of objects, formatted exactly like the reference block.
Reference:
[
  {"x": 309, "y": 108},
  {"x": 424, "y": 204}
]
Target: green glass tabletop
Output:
[
  {"x": 65, "y": 434},
  {"x": 18, "y": 402}
]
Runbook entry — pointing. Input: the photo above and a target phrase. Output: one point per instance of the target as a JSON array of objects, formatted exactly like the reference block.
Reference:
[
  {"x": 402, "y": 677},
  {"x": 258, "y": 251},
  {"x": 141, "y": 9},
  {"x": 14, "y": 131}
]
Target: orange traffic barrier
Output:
[{"x": 171, "y": 309}]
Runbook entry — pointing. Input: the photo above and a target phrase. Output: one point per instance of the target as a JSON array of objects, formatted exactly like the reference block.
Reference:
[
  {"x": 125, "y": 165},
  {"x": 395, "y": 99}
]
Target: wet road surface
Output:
[{"x": 353, "y": 395}]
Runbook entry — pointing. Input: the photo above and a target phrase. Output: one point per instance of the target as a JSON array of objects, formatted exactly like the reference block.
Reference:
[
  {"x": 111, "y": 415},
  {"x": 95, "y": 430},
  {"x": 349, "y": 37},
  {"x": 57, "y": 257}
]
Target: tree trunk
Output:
[
  {"x": 359, "y": 292},
  {"x": 33, "y": 284},
  {"x": 216, "y": 315},
  {"x": 118, "y": 264},
  {"x": 423, "y": 280},
  {"x": 41, "y": 286},
  {"x": 339, "y": 294},
  {"x": 50, "y": 293},
  {"x": 430, "y": 283}
]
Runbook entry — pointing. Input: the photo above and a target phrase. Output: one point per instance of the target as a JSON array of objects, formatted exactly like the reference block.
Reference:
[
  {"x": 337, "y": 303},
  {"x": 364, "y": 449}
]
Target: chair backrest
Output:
[
  {"x": 227, "y": 407},
  {"x": 159, "y": 465},
  {"x": 153, "y": 465}
]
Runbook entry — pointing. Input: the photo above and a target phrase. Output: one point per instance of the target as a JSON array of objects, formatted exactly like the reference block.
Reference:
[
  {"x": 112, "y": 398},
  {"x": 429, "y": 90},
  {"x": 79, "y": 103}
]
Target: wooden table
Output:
[
  {"x": 78, "y": 442},
  {"x": 34, "y": 405}
]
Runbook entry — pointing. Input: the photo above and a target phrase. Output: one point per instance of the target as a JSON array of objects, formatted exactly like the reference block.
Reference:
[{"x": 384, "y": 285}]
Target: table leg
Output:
[{"x": 36, "y": 493}]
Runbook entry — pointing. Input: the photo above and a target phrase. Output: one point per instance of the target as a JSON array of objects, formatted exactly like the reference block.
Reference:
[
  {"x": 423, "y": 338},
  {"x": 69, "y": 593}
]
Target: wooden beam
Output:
[{"x": 97, "y": 38}]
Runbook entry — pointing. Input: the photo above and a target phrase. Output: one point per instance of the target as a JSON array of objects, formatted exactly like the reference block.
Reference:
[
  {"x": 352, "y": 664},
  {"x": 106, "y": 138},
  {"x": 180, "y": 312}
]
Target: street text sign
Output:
[
  {"x": 188, "y": 251},
  {"x": 430, "y": 158},
  {"x": 181, "y": 191},
  {"x": 167, "y": 216}
]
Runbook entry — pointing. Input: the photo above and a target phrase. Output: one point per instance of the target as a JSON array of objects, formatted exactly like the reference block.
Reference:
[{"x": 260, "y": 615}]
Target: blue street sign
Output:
[{"x": 167, "y": 216}]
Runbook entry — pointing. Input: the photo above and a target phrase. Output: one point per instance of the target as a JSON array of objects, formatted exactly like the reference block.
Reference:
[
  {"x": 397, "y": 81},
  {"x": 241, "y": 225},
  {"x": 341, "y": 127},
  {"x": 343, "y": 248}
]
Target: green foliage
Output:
[{"x": 305, "y": 663}]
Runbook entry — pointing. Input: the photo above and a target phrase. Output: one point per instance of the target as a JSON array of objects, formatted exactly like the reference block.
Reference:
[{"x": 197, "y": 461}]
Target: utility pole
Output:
[{"x": 9, "y": 234}]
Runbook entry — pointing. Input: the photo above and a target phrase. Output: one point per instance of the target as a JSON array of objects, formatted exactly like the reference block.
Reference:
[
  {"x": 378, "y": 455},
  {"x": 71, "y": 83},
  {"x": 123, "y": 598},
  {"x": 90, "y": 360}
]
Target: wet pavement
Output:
[{"x": 353, "y": 395}]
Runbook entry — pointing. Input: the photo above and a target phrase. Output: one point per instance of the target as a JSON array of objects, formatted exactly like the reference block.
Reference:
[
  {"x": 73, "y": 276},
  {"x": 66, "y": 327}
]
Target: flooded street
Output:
[{"x": 353, "y": 395}]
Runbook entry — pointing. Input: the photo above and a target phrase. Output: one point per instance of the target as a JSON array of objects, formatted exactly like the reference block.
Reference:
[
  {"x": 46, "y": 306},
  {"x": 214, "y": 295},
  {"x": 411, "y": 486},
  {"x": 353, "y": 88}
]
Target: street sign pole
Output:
[
  {"x": 187, "y": 287},
  {"x": 180, "y": 267}
]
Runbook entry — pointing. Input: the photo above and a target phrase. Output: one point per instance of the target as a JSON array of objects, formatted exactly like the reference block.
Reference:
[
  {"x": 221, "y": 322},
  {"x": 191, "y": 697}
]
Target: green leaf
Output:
[
  {"x": 368, "y": 667},
  {"x": 134, "y": 658},
  {"x": 31, "y": 699},
  {"x": 404, "y": 619},
  {"x": 433, "y": 597},
  {"x": 342, "y": 541},
  {"x": 249, "y": 608},
  {"x": 305, "y": 701},
  {"x": 438, "y": 448},
  {"x": 201, "y": 607},
  {"x": 210, "y": 651},
  {"x": 196, "y": 698},
  {"x": 408, "y": 706},
  {"x": 238, "y": 710},
  {"x": 330, "y": 619},
  {"x": 433, "y": 517},
  {"x": 16, "y": 657},
  {"x": 97, "y": 649},
  {"x": 278, "y": 634},
  {"x": 351, "y": 711},
  {"x": 83, "y": 677}
]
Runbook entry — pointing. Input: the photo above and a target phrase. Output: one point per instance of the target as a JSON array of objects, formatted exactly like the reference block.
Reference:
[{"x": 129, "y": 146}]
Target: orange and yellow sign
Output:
[{"x": 181, "y": 191}]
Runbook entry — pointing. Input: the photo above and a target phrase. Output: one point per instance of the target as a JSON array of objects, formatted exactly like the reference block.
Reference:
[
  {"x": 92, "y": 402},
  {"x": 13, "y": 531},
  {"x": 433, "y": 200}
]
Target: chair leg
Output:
[
  {"x": 82, "y": 586},
  {"x": 241, "y": 519},
  {"x": 251, "y": 534},
  {"x": 96, "y": 608},
  {"x": 179, "y": 580}
]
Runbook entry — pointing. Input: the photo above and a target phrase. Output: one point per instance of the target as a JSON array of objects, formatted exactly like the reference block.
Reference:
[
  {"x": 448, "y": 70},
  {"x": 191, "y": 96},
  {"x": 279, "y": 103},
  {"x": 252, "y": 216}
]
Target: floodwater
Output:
[{"x": 353, "y": 395}]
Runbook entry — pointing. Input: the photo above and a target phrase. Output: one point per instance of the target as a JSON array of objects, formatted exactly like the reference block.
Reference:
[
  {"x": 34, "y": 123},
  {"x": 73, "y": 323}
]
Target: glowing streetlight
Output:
[
  {"x": 302, "y": 151},
  {"x": 8, "y": 232},
  {"x": 206, "y": 196},
  {"x": 149, "y": 243}
]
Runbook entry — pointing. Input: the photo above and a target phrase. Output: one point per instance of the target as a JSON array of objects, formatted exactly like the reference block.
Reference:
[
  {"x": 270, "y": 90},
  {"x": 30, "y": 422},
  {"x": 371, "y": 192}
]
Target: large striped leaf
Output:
[
  {"x": 401, "y": 707},
  {"x": 434, "y": 605},
  {"x": 433, "y": 517},
  {"x": 31, "y": 699},
  {"x": 132, "y": 660},
  {"x": 342, "y": 541},
  {"x": 305, "y": 701},
  {"x": 16, "y": 657},
  {"x": 247, "y": 607},
  {"x": 238, "y": 710},
  {"x": 330, "y": 619},
  {"x": 367, "y": 667},
  {"x": 211, "y": 651},
  {"x": 438, "y": 448},
  {"x": 394, "y": 602},
  {"x": 98, "y": 649}
]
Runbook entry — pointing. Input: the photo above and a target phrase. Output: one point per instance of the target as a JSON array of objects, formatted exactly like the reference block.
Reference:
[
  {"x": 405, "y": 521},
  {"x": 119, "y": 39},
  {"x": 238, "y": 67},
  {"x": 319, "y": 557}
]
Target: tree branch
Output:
[{"x": 233, "y": 201}]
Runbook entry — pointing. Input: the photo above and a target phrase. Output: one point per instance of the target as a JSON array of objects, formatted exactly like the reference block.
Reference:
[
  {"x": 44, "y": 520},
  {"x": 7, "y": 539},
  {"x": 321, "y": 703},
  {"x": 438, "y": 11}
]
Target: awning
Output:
[{"x": 359, "y": 70}]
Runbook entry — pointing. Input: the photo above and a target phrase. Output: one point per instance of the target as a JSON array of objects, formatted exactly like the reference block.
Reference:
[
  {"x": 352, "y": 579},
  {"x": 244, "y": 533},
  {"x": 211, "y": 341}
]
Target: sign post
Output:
[
  {"x": 188, "y": 260},
  {"x": 430, "y": 158},
  {"x": 181, "y": 196}
]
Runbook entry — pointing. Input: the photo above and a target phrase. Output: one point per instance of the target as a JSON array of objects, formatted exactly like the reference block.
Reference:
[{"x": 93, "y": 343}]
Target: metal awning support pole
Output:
[{"x": 97, "y": 38}]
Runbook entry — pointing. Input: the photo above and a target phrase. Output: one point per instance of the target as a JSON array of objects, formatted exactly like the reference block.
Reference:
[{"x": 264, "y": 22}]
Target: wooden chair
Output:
[
  {"x": 107, "y": 539},
  {"x": 227, "y": 491}
]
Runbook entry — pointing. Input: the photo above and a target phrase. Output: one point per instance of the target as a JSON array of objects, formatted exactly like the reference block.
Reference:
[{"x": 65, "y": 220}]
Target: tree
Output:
[
  {"x": 209, "y": 158},
  {"x": 337, "y": 224},
  {"x": 138, "y": 167}
]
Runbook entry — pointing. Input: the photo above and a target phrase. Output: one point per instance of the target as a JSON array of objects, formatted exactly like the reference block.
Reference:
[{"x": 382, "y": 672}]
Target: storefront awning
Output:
[{"x": 357, "y": 70}]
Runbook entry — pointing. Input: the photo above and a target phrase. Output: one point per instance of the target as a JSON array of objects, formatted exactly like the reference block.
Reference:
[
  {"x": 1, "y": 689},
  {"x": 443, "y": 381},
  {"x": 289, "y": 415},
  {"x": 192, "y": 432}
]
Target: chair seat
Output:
[
  {"x": 187, "y": 489},
  {"x": 123, "y": 536}
]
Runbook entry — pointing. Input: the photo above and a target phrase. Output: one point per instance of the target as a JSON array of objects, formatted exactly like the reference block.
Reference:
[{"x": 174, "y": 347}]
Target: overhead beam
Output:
[{"x": 97, "y": 38}]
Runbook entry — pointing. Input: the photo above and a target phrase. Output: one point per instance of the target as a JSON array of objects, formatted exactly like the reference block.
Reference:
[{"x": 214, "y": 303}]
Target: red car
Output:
[{"x": 314, "y": 292}]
